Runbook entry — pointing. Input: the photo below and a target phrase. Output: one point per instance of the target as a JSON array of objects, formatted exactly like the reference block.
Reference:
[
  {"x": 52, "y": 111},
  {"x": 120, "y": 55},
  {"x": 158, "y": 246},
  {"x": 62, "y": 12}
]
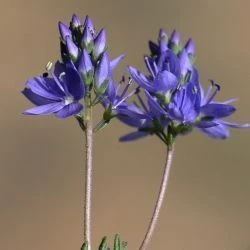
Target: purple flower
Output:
[
  {"x": 189, "y": 107},
  {"x": 153, "y": 120},
  {"x": 176, "y": 102},
  {"x": 113, "y": 99},
  {"x": 59, "y": 94},
  {"x": 168, "y": 67}
]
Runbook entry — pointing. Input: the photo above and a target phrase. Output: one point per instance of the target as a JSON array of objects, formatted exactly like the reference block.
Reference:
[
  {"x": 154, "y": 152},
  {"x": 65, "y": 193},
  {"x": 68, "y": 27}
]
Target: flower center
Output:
[{"x": 68, "y": 100}]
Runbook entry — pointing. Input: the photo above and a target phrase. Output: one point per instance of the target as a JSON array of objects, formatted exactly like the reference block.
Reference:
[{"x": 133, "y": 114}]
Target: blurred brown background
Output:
[{"x": 41, "y": 158}]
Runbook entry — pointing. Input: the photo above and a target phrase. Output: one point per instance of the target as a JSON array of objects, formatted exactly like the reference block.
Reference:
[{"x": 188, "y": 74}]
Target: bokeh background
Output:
[{"x": 41, "y": 158}]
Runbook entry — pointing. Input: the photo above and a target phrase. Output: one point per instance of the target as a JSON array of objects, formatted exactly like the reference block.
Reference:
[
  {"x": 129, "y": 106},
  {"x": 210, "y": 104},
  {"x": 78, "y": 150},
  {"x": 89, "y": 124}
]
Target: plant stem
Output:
[
  {"x": 88, "y": 179},
  {"x": 159, "y": 203}
]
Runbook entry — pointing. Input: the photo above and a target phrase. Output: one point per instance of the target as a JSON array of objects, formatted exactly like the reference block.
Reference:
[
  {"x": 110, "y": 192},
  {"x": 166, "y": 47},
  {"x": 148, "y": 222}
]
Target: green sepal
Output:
[
  {"x": 164, "y": 98},
  {"x": 74, "y": 59},
  {"x": 89, "y": 47},
  {"x": 176, "y": 48},
  {"x": 101, "y": 90},
  {"x": 104, "y": 244},
  {"x": 88, "y": 78},
  {"x": 108, "y": 114},
  {"x": 182, "y": 129},
  {"x": 85, "y": 246}
]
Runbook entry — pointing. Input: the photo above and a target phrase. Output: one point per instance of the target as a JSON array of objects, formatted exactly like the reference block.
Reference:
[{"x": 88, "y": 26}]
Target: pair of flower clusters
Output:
[{"x": 175, "y": 100}]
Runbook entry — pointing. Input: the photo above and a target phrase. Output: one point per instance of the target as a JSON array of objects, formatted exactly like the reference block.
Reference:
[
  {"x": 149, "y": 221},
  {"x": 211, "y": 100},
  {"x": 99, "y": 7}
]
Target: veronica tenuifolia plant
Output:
[{"x": 170, "y": 100}]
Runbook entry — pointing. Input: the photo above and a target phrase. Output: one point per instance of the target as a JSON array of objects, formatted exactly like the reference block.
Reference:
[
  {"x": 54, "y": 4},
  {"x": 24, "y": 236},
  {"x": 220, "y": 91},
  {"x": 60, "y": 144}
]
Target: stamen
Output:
[
  {"x": 135, "y": 91},
  {"x": 149, "y": 66},
  {"x": 126, "y": 88},
  {"x": 142, "y": 103},
  {"x": 213, "y": 84},
  {"x": 119, "y": 85},
  {"x": 49, "y": 69},
  {"x": 49, "y": 66}
]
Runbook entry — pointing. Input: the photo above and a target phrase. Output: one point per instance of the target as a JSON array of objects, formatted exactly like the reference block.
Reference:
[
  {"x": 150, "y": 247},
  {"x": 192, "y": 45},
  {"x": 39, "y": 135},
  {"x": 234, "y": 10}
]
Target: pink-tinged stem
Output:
[
  {"x": 160, "y": 200},
  {"x": 88, "y": 179}
]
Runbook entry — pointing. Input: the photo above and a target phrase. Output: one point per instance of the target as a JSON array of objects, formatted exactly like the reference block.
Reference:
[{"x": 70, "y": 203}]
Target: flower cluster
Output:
[
  {"x": 85, "y": 74},
  {"x": 175, "y": 98}
]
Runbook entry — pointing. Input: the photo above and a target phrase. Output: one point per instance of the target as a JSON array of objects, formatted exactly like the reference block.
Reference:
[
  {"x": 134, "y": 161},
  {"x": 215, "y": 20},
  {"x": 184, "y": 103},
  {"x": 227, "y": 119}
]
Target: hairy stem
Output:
[
  {"x": 88, "y": 179},
  {"x": 160, "y": 200}
]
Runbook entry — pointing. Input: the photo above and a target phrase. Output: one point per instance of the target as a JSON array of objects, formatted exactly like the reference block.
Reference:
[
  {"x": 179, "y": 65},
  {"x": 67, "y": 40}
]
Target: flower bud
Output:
[
  {"x": 102, "y": 74},
  {"x": 162, "y": 36},
  {"x": 189, "y": 47},
  {"x": 89, "y": 25},
  {"x": 85, "y": 67},
  {"x": 72, "y": 49},
  {"x": 76, "y": 22},
  {"x": 64, "y": 30},
  {"x": 185, "y": 65},
  {"x": 174, "y": 42},
  {"x": 163, "y": 40},
  {"x": 87, "y": 40},
  {"x": 99, "y": 44},
  {"x": 175, "y": 38}
]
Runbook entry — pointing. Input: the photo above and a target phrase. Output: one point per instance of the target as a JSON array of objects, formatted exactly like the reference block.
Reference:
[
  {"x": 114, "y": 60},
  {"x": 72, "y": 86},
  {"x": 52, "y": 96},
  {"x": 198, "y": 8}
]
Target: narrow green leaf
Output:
[
  {"x": 103, "y": 245},
  {"x": 85, "y": 246},
  {"x": 117, "y": 242}
]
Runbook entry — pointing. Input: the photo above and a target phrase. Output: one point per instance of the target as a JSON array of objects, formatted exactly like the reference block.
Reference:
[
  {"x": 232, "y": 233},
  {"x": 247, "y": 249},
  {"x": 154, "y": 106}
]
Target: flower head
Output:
[{"x": 176, "y": 102}]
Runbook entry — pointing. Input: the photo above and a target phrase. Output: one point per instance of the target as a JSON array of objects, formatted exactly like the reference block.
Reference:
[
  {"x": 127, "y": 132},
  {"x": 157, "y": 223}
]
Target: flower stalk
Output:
[
  {"x": 160, "y": 200},
  {"x": 88, "y": 178}
]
